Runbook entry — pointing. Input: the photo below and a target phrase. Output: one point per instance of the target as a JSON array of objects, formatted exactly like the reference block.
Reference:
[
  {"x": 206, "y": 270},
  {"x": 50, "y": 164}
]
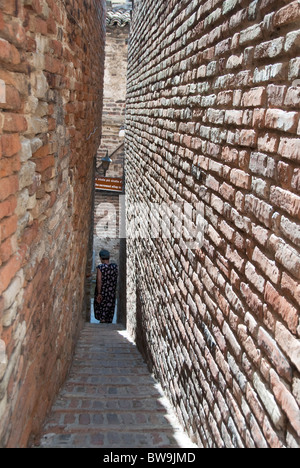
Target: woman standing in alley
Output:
[{"x": 106, "y": 287}]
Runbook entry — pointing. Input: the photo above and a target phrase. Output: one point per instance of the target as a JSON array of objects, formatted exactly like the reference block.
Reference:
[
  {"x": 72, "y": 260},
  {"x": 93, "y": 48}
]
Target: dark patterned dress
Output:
[{"x": 104, "y": 312}]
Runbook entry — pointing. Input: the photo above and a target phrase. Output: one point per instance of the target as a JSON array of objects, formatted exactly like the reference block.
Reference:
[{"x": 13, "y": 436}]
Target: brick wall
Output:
[
  {"x": 213, "y": 127},
  {"x": 51, "y": 57}
]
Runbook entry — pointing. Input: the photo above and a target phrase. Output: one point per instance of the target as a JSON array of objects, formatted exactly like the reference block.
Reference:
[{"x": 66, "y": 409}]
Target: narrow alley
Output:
[
  {"x": 110, "y": 400},
  {"x": 165, "y": 132}
]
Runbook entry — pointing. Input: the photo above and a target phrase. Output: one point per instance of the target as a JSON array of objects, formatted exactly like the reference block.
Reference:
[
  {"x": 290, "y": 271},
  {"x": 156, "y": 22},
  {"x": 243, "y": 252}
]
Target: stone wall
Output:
[
  {"x": 213, "y": 134},
  {"x": 51, "y": 81}
]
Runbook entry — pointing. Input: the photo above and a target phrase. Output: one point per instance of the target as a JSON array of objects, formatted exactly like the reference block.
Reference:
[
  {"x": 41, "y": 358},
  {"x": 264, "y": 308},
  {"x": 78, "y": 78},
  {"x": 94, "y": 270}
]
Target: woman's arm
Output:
[{"x": 99, "y": 285}]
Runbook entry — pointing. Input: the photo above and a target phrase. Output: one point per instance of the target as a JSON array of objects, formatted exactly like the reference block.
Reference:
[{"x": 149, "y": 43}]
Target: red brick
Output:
[
  {"x": 53, "y": 65},
  {"x": 282, "y": 307},
  {"x": 268, "y": 142},
  {"x": 258, "y": 120},
  {"x": 30, "y": 233},
  {"x": 8, "y": 206},
  {"x": 248, "y": 138},
  {"x": 287, "y": 14},
  {"x": 292, "y": 98},
  {"x": 42, "y": 152},
  {"x": 286, "y": 400},
  {"x": 285, "y": 173},
  {"x": 271, "y": 436},
  {"x": 9, "y": 270},
  {"x": 255, "y": 97},
  {"x": 288, "y": 343},
  {"x": 253, "y": 301},
  {"x": 295, "y": 184},
  {"x": 260, "y": 209},
  {"x": 269, "y": 49},
  {"x": 38, "y": 25},
  {"x": 266, "y": 265},
  {"x": 286, "y": 200},
  {"x": 9, "y": 53},
  {"x": 9, "y": 186},
  {"x": 57, "y": 48},
  {"x": 286, "y": 255},
  {"x": 275, "y": 94},
  {"x": 13, "y": 100},
  {"x": 290, "y": 148},
  {"x": 240, "y": 178},
  {"x": 14, "y": 123},
  {"x": 51, "y": 25},
  {"x": 282, "y": 120},
  {"x": 44, "y": 163},
  {"x": 8, "y": 226},
  {"x": 9, "y": 166},
  {"x": 290, "y": 287},
  {"x": 7, "y": 249},
  {"x": 269, "y": 345},
  {"x": 10, "y": 144}
]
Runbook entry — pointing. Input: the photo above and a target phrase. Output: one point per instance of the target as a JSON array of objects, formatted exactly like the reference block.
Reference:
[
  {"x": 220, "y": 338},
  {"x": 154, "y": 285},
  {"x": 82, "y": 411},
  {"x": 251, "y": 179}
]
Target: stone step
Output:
[
  {"x": 109, "y": 379},
  {"x": 108, "y": 404},
  {"x": 123, "y": 421},
  {"x": 109, "y": 439}
]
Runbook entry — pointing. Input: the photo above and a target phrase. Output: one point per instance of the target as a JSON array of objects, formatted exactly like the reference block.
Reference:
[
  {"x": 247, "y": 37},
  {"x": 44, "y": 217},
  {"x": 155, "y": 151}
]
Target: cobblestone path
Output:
[{"x": 110, "y": 400}]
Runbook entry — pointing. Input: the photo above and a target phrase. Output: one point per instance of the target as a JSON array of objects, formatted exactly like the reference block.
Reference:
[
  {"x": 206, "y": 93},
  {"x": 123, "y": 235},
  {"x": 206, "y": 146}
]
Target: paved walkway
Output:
[{"x": 110, "y": 400}]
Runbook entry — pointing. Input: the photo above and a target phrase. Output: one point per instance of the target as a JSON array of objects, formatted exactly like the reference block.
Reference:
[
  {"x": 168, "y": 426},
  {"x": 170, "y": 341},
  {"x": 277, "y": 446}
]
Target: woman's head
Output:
[{"x": 104, "y": 254}]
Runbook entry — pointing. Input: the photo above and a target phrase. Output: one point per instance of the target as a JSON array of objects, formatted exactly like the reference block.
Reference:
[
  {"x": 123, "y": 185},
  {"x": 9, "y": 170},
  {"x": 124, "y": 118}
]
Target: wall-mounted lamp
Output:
[{"x": 106, "y": 163}]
